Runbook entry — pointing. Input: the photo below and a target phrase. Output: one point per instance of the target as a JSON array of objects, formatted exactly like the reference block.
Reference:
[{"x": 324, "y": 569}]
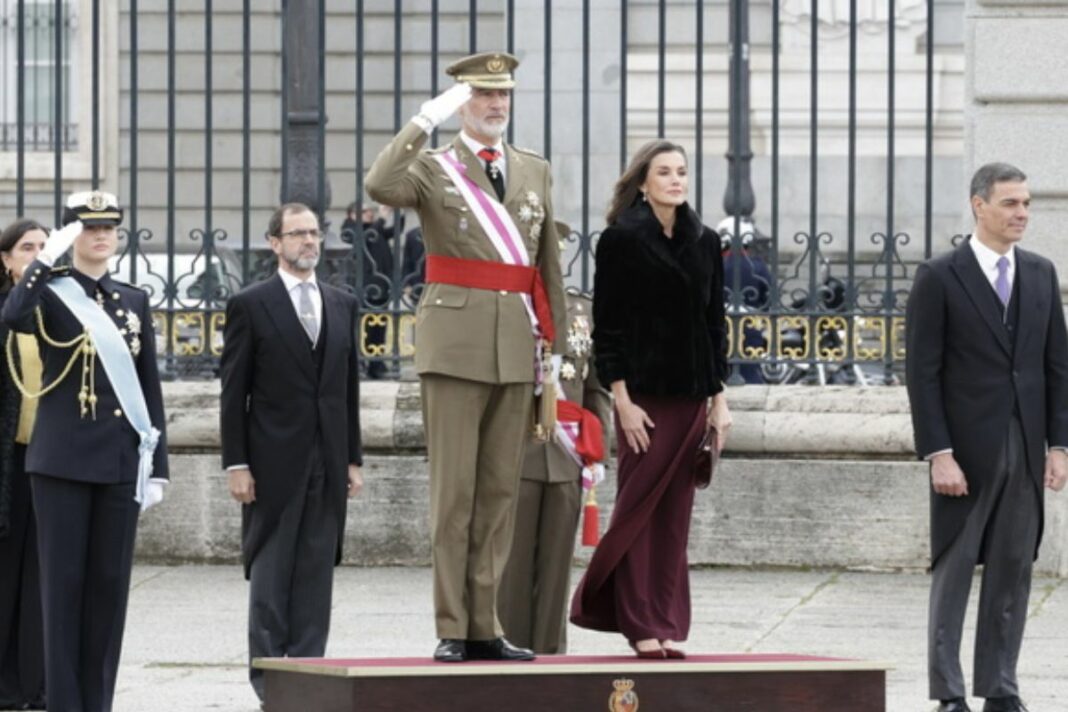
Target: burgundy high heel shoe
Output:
[
  {"x": 658, "y": 654},
  {"x": 674, "y": 654}
]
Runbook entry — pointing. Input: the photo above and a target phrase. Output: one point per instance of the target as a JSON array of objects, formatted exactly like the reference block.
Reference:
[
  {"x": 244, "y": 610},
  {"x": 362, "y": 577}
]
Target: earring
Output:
[{"x": 645, "y": 198}]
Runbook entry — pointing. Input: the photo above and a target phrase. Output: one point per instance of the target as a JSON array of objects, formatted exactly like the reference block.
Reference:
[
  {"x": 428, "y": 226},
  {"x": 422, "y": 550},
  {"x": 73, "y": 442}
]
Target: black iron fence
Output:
[{"x": 210, "y": 137}]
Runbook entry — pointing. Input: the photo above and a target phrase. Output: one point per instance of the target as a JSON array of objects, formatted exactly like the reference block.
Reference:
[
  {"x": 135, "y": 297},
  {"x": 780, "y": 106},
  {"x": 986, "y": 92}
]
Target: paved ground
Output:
[{"x": 185, "y": 639}]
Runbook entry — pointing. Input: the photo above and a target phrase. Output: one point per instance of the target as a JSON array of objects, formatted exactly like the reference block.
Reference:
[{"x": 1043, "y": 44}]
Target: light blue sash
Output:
[{"x": 118, "y": 365}]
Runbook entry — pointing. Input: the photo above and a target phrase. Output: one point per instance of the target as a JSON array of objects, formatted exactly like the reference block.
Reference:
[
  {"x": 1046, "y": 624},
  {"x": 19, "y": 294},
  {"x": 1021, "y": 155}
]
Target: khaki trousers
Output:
[
  {"x": 536, "y": 587},
  {"x": 475, "y": 434}
]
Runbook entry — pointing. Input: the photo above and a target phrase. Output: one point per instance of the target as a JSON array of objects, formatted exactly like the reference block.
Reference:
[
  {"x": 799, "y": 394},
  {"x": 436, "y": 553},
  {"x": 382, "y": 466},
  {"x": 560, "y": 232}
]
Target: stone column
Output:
[{"x": 1016, "y": 107}]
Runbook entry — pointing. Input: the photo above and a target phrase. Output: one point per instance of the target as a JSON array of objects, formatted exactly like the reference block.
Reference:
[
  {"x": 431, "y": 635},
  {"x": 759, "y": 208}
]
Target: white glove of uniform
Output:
[
  {"x": 435, "y": 112},
  {"x": 59, "y": 241},
  {"x": 153, "y": 494}
]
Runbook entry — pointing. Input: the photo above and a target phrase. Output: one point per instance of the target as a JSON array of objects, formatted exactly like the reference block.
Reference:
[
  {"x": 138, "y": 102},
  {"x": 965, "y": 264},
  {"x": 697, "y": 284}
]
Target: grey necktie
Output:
[{"x": 307, "y": 313}]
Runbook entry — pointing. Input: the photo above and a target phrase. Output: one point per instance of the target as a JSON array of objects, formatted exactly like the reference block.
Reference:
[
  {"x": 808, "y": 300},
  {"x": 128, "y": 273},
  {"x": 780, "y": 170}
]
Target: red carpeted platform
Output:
[{"x": 566, "y": 683}]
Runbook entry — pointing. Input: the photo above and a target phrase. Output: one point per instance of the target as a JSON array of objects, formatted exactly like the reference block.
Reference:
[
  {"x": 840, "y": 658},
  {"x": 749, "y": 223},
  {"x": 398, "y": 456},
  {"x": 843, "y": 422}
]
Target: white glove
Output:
[
  {"x": 435, "y": 112},
  {"x": 59, "y": 241},
  {"x": 153, "y": 494}
]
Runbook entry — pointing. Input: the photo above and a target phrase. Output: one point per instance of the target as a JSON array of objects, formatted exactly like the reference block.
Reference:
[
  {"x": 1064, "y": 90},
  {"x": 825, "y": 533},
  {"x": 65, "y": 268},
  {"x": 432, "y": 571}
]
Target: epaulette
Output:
[
  {"x": 529, "y": 152},
  {"x": 439, "y": 149},
  {"x": 61, "y": 271}
]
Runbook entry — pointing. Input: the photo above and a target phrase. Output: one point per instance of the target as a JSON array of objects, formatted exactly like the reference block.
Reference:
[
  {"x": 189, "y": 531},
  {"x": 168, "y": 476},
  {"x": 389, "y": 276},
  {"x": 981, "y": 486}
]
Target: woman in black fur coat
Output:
[
  {"x": 21, "y": 633},
  {"x": 660, "y": 346}
]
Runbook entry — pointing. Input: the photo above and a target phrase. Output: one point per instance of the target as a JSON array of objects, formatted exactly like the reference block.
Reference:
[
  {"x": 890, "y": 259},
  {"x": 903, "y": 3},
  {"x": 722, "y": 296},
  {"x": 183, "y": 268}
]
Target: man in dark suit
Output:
[
  {"x": 98, "y": 453},
  {"x": 988, "y": 384},
  {"x": 291, "y": 439}
]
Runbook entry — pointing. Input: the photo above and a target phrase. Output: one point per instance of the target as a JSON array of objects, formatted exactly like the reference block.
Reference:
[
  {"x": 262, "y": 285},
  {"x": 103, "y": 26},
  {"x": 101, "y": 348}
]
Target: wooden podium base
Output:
[{"x": 701, "y": 683}]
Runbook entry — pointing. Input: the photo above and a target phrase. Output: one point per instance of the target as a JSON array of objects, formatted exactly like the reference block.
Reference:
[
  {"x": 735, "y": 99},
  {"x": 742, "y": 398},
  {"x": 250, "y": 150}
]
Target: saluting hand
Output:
[
  {"x": 59, "y": 241},
  {"x": 435, "y": 111},
  {"x": 1056, "y": 469},
  {"x": 946, "y": 476},
  {"x": 242, "y": 485}
]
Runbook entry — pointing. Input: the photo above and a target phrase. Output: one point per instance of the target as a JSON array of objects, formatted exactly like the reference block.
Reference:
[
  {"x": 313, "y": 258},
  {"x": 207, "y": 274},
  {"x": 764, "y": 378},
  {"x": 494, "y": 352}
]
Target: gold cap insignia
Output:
[
  {"x": 96, "y": 201},
  {"x": 486, "y": 70}
]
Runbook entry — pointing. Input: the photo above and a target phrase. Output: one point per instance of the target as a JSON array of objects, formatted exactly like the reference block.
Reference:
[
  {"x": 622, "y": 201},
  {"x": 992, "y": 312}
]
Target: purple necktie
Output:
[{"x": 1002, "y": 282}]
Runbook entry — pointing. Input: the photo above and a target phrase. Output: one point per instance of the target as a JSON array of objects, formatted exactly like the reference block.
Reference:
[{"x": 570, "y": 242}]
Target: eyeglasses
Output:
[{"x": 303, "y": 234}]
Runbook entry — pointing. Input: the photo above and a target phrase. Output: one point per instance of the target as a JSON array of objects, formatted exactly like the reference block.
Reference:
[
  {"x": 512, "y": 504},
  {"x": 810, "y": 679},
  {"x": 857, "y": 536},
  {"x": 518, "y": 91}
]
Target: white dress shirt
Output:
[
  {"x": 292, "y": 285},
  {"x": 988, "y": 262},
  {"x": 475, "y": 147}
]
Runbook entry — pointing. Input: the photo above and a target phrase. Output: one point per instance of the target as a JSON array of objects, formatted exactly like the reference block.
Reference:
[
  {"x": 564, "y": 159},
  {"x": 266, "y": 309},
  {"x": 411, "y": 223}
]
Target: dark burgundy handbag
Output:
[{"x": 705, "y": 462}]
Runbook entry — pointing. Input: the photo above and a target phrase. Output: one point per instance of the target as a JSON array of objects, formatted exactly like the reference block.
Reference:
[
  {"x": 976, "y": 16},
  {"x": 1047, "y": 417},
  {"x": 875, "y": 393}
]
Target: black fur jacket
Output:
[{"x": 658, "y": 306}]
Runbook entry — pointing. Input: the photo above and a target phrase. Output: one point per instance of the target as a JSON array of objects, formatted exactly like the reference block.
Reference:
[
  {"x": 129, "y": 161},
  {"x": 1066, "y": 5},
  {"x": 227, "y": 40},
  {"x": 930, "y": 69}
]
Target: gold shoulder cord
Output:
[{"x": 82, "y": 345}]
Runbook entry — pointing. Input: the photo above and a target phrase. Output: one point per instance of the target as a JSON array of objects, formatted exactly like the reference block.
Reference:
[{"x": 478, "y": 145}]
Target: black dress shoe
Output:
[
  {"x": 451, "y": 650},
  {"x": 1004, "y": 704},
  {"x": 496, "y": 649},
  {"x": 957, "y": 704}
]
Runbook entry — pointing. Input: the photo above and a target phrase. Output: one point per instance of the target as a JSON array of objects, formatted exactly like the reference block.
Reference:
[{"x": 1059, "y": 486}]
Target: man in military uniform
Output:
[
  {"x": 98, "y": 455},
  {"x": 492, "y": 304},
  {"x": 536, "y": 585}
]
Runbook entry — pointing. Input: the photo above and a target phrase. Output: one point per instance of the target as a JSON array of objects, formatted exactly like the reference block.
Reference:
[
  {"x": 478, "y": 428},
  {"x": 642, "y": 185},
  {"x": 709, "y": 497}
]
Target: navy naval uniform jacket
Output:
[{"x": 66, "y": 444}]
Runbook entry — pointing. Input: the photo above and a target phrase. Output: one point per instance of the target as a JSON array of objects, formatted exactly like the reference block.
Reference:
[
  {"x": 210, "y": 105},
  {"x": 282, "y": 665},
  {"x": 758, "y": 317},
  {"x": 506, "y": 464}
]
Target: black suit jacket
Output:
[
  {"x": 277, "y": 405},
  {"x": 966, "y": 375},
  {"x": 64, "y": 444}
]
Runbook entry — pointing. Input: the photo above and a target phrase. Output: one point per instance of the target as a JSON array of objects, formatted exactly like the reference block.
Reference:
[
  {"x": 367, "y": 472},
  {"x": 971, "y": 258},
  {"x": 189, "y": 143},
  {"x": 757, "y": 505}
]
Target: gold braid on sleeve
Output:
[{"x": 82, "y": 345}]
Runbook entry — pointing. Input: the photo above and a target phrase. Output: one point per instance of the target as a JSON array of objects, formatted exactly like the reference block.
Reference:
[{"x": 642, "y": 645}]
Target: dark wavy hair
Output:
[
  {"x": 9, "y": 238},
  {"x": 626, "y": 193}
]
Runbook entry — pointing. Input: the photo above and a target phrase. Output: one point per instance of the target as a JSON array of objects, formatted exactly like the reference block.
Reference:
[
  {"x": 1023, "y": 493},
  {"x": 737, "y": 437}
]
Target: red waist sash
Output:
[
  {"x": 590, "y": 441},
  {"x": 484, "y": 274}
]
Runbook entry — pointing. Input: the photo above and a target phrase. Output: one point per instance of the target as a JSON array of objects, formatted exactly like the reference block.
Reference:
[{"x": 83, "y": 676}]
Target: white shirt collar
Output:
[
  {"x": 988, "y": 259},
  {"x": 292, "y": 282},
  {"x": 475, "y": 146}
]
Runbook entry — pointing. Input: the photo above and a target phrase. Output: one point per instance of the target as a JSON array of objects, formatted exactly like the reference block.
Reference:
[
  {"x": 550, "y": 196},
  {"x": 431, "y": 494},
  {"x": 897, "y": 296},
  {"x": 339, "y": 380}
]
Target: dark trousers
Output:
[
  {"x": 85, "y": 533},
  {"x": 21, "y": 635},
  {"x": 1004, "y": 526},
  {"x": 292, "y": 577}
]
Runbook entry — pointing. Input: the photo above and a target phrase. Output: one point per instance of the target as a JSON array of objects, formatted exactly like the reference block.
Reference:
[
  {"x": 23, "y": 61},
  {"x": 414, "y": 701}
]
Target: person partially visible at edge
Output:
[
  {"x": 97, "y": 456},
  {"x": 21, "y": 628},
  {"x": 493, "y": 301},
  {"x": 987, "y": 370},
  {"x": 661, "y": 350},
  {"x": 291, "y": 443}
]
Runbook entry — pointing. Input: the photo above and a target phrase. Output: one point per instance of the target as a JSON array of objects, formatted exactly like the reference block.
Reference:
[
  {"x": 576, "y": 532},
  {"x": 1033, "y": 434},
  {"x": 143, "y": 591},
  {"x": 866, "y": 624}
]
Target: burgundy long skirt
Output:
[{"x": 638, "y": 583}]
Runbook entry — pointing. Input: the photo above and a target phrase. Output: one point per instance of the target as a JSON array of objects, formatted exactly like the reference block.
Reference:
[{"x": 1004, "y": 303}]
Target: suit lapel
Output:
[
  {"x": 476, "y": 171},
  {"x": 1027, "y": 283},
  {"x": 976, "y": 285},
  {"x": 280, "y": 310},
  {"x": 337, "y": 330}
]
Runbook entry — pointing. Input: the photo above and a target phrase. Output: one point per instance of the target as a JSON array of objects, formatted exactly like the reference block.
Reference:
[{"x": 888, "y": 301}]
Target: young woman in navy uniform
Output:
[{"x": 91, "y": 472}]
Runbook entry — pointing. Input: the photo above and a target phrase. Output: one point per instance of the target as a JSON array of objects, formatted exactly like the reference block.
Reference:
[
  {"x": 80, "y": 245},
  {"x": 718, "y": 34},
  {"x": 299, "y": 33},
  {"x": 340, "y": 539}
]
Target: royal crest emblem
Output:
[
  {"x": 624, "y": 698},
  {"x": 495, "y": 65},
  {"x": 96, "y": 202}
]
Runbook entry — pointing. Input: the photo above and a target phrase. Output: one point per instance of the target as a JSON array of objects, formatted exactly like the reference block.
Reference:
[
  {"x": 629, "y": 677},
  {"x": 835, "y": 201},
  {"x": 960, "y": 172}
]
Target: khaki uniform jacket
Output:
[
  {"x": 474, "y": 334},
  {"x": 548, "y": 461}
]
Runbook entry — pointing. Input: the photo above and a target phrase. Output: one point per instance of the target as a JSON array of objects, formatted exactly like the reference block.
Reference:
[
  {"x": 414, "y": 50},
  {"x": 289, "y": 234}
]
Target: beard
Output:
[
  {"x": 302, "y": 263},
  {"x": 493, "y": 129}
]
